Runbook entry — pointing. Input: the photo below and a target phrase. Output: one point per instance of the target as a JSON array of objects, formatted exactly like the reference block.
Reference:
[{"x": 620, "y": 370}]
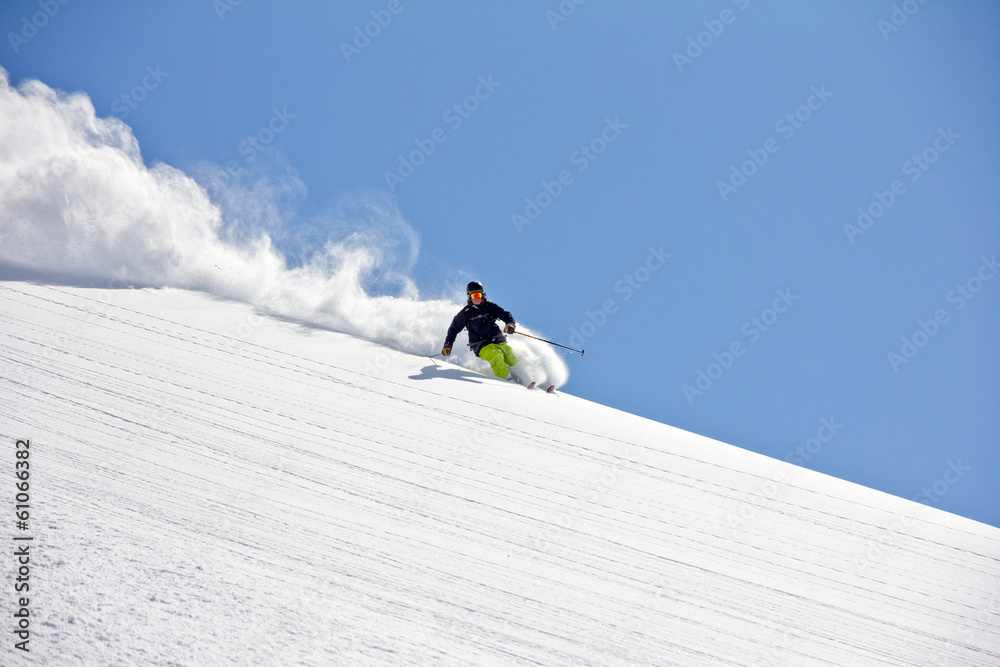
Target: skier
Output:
[{"x": 480, "y": 317}]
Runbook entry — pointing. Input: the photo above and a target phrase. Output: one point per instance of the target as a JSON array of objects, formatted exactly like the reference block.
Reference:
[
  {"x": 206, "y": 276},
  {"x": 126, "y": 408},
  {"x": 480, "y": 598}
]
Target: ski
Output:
[
  {"x": 549, "y": 389},
  {"x": 516, "y": 380}
]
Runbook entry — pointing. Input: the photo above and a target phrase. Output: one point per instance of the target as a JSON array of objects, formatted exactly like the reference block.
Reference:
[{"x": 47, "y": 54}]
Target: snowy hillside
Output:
[{"x": 212, "y": 487}]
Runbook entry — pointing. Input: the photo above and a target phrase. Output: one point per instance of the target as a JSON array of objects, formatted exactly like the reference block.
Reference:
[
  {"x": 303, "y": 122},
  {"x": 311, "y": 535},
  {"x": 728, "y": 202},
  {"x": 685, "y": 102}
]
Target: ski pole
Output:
[{"x": 550, "y": 342}]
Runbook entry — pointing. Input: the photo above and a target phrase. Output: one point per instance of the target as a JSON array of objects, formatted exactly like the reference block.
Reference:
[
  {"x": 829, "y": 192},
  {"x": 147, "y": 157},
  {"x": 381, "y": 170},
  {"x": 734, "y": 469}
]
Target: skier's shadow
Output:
[{"x": 434, "y": 372}]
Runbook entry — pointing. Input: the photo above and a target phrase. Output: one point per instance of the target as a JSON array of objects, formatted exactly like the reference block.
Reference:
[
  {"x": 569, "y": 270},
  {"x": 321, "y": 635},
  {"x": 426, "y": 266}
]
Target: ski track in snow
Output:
[{"x": 210, "y": 487}]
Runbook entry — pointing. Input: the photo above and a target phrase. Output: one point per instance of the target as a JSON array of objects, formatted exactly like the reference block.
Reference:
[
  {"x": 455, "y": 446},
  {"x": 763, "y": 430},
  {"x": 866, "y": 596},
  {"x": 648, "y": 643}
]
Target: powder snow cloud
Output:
[{"x": 76, "y": 199}]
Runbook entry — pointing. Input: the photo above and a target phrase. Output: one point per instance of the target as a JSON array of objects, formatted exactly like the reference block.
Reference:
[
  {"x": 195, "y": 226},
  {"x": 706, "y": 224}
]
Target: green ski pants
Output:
[{"x": 499, "y": 357}]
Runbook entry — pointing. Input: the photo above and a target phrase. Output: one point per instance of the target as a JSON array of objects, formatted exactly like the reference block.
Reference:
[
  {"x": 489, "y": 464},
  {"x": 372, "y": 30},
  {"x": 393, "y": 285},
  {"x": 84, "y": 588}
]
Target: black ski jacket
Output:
[{"x": 481, "y": 322}]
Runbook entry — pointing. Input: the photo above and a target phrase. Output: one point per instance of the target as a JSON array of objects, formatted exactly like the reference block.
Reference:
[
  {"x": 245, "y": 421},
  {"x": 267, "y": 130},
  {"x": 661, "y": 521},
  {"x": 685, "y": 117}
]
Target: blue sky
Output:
[{"x": 560, "y": 157}]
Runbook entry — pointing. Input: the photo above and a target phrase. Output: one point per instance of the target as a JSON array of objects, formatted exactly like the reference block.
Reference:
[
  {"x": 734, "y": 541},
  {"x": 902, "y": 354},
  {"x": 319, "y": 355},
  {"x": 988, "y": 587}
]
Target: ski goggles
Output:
[{"x": 475, "y": 295}]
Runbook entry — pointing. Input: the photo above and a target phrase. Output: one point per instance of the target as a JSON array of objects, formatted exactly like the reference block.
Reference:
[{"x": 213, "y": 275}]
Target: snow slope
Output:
[{"x": 211, "y": 487}]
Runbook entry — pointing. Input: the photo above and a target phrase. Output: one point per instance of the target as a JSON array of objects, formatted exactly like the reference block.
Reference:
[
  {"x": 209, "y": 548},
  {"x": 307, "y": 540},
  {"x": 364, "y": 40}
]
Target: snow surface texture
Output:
[
  {"x": 213, "y": 487},
  {"x": 77, "y": 200}
]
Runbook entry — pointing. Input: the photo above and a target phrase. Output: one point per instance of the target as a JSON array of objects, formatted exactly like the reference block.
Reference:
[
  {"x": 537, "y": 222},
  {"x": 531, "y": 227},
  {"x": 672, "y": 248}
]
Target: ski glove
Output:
[
  {"x": 446, "y": 350},
  {"x": 509, "y": 329}
]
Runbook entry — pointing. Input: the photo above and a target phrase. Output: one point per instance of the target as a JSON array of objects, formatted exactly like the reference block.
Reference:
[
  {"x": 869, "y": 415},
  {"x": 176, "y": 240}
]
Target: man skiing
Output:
[{"x": 480, "y": 317}]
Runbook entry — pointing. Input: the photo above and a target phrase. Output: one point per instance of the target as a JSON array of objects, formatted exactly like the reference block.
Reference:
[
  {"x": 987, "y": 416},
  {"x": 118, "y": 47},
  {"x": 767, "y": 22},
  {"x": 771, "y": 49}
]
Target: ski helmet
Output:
[{"x": 474, "y": 286}]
